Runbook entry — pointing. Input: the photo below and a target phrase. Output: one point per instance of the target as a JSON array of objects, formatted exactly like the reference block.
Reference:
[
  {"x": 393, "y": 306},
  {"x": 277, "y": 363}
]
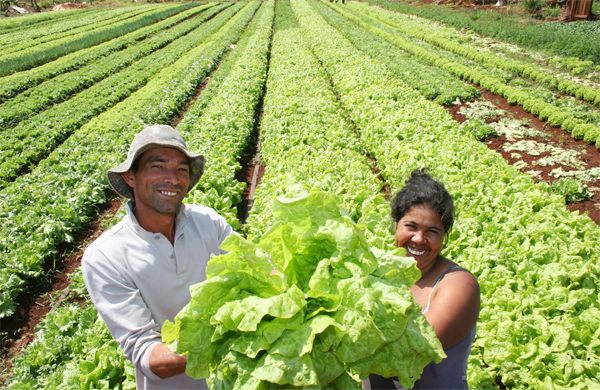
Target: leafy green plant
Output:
[
  {"x": 571, "y": 189},
  {"x": 480, "y": 130},
  {"x": 532, "y": 6},
  {"x": 551, "y": 12},
  {"x": 327, "y": 318},
  {"x": 48, "y": 51},
  {"x": 63, "y": 86}
]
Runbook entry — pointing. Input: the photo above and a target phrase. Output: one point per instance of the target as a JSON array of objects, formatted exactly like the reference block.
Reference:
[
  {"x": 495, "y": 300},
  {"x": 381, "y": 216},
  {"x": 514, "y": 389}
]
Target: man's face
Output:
[{"x": 161, "y": 181}]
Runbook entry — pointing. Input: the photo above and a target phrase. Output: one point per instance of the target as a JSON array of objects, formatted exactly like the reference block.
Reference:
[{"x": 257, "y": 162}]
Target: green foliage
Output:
[
  {"x": 335, "y": 308},
  {"x": 580, "y": 130},
  {"x": 532, "y": 6},
  {"x": 548, "y": 112},
  {"x": 570, "y": 123},
  {"x": 51, "y": 50},
  {"x": 551, "y": 12},
  {"x": 225, "y": 124},
  {"x": 591, "y": 134},
  {"x": 11, "y": 85},
  {"x": 480, "y": 130},
  {"x": 581, "y": 39},
  {"x": 72, "y": 350},
  {"x": 384, "y": 45},
  {"x": 557, "y": 118},
  {"x": 63, "y": 86},
  {"x": 571, "y": 189}
]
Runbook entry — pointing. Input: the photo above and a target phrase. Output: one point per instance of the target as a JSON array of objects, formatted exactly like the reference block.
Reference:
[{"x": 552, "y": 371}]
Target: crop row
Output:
[
  {"x": 33, "y": 139},
  {"x": 40, "y": 54},
  {"x": 489, "y": 60},
  {"x": 556, "y": 116},
  {"x": 435, "y": 36},
  {"x": 15, "y": 42},
  {"x": 538, "y": 274},
  {"x": 223, "y": 130},
  {"x": 307, "y": 141},
  {"x": 12, "y": 85},
  {"x": 60, "y": 88},
  {"x": 9, "y": 25},
  {"x": 433, "y": 83},
  {"x": 563, "y": 39},
  {"x": 42, "y": 209}
]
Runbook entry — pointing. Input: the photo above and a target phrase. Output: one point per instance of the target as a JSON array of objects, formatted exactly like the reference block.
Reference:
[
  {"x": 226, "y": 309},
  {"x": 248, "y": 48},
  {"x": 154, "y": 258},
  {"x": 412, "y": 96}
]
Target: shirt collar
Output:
[{"x": 180, "y": 220}]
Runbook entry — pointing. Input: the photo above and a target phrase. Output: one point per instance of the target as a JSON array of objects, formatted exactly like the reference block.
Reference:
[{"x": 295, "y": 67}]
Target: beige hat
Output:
[{"x": 155, "y": 136}]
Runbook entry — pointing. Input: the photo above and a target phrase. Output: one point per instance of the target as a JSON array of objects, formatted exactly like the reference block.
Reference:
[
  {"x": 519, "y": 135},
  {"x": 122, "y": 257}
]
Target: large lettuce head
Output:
[{"x": 335, "y": 311}]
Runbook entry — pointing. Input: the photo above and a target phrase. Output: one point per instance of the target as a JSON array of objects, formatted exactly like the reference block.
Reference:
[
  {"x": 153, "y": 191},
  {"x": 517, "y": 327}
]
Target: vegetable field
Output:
[{"x": 346, "y": 98}]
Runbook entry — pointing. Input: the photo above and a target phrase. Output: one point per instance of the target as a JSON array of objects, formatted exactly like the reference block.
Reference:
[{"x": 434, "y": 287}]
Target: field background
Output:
[{"x": 501, "y": 103}]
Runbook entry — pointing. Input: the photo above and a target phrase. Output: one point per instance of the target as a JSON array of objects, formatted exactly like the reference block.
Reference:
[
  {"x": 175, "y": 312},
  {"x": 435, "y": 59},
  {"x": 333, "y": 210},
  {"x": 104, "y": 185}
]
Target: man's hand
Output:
[{"x": 165, "y": 363}]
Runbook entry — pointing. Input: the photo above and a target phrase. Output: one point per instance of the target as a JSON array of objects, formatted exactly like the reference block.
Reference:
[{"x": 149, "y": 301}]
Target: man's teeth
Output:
[
  {"x": 414, "y": 251},
  {"x": 168, "y": 193}
]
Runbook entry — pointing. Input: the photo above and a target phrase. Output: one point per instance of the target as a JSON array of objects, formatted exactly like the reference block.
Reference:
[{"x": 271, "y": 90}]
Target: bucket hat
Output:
[{"x": 155, "y": 136}]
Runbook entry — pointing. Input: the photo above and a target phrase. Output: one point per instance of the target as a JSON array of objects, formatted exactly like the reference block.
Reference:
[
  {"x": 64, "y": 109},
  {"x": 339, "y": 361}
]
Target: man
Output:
[{"x": 138, "y": 273}]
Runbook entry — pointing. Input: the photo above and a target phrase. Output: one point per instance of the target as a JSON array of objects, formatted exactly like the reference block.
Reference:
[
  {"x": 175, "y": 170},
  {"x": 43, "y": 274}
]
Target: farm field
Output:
[{"x": 288, "y": 96}]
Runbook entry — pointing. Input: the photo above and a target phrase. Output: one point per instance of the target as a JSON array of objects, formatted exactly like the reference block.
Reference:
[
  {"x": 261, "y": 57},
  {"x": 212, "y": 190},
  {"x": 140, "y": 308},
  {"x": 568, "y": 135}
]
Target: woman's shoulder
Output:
[
  {"x": 459, "y": 283},
  {"x": 455, "y": 273}
]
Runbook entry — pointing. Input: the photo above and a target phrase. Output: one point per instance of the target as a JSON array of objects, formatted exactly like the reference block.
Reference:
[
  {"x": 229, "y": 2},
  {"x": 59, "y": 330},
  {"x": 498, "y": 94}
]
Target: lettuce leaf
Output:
[{"x": 335, "y": 311}]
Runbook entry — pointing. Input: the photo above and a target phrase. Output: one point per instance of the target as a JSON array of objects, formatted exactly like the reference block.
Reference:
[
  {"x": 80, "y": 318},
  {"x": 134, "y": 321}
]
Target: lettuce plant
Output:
[{"x": 335, "y": 311}]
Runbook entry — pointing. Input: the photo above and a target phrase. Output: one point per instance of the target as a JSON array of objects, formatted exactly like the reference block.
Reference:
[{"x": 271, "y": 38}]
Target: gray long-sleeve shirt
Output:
[{"x": 137, "y": 280}]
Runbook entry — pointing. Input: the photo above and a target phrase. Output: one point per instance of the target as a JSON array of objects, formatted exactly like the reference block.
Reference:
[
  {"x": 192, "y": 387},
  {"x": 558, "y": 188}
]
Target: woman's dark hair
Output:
[{"x": 422, "y": 189}]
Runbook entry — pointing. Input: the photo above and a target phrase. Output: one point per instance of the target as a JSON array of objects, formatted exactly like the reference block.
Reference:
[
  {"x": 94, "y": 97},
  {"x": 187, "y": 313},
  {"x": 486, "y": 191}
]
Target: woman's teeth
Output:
[{"x": 414, "y": 251}]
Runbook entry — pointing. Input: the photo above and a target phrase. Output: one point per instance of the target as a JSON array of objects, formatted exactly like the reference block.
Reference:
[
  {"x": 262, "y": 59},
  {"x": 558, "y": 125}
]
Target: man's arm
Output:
[{"x": 165, "y": 363}]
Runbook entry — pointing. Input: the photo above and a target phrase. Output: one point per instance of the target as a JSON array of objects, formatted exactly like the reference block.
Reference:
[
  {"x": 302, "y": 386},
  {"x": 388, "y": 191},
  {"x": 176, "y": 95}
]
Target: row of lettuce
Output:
[
  {"x": 17, "y": 41},
  {"x": 42, "y": 19},
  {"x": 580, "y": 39},
  {"x": 33, "y": 139},
  {"x": 61, "y": 87},
  {"x": 487, "y": 70},
  {"x": 539, "y": 290},
  {"x": 33, "y": 54}
]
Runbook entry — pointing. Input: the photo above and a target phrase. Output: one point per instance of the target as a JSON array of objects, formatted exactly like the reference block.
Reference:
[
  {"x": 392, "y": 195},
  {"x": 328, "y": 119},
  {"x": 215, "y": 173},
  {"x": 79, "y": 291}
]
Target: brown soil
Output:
[
  {"x": 555, "y": 136},
  {"x": 18, "y": 330}
]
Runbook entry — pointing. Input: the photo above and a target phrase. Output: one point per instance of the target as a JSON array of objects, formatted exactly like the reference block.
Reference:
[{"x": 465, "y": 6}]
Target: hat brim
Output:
[{"x": 122, "y": 188}]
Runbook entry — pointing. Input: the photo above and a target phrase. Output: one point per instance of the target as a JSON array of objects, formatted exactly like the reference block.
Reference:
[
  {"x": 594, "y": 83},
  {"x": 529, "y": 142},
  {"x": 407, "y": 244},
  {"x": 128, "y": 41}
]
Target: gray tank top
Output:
[{"x": 450, "y": 373}]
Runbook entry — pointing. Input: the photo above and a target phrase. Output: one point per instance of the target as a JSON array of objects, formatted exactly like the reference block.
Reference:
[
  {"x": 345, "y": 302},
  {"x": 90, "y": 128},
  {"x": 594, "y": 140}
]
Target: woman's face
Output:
[{"x": 421, "y": 233}]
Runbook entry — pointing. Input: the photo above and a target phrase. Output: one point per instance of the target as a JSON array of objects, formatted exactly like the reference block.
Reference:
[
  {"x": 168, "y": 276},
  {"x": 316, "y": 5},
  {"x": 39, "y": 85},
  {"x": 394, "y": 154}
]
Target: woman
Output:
[{"x": 423, "y": 212}]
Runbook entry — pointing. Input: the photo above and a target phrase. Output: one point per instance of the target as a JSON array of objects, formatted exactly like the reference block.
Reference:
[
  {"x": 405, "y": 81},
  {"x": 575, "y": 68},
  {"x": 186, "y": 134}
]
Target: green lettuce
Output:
[{"x": 335, "y": 311}]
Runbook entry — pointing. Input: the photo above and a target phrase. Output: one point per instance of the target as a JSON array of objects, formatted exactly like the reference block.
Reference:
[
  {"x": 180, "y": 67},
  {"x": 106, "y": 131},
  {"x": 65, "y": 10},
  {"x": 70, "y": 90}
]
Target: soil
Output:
[
  {"x": 18, "y": 330},
  {"x": 555, "y": 136}
]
